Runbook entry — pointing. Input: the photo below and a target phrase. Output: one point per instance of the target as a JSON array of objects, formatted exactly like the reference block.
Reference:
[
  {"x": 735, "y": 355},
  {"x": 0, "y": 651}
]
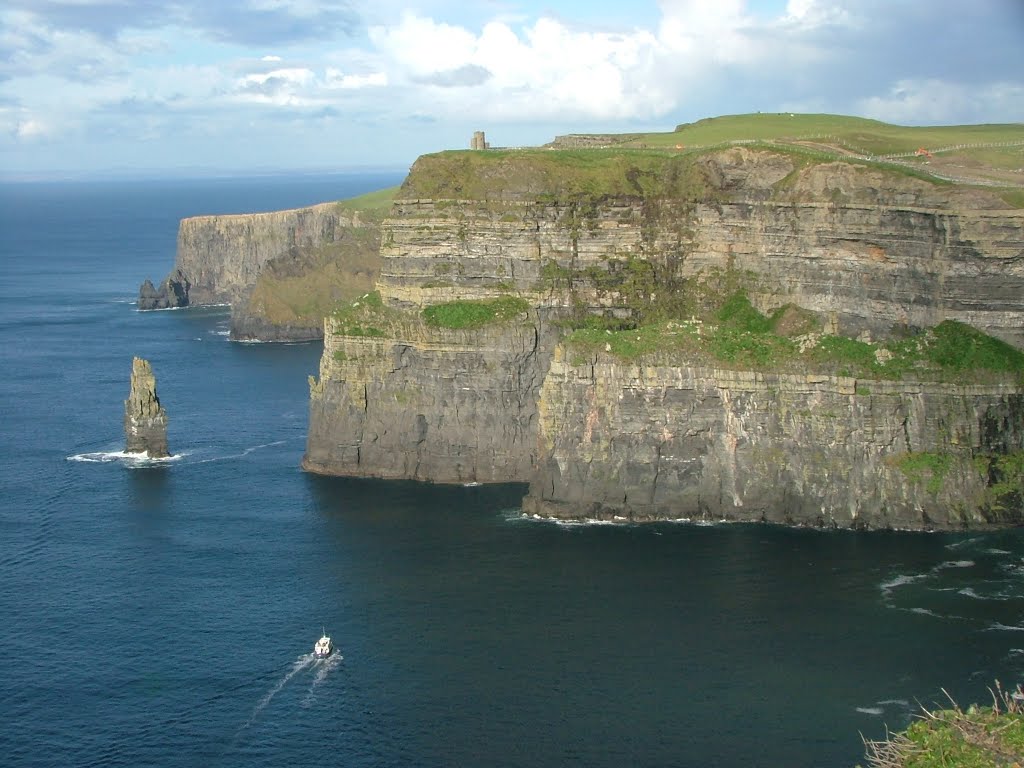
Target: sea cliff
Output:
[
  {"x": 651, "y": 442},
  {"x": 613, "y": 392},
  {"x": 279, "y": 271}
]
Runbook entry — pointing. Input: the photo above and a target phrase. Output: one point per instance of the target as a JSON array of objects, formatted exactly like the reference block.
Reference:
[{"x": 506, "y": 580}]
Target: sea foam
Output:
[{"x": 128, "y": 459}]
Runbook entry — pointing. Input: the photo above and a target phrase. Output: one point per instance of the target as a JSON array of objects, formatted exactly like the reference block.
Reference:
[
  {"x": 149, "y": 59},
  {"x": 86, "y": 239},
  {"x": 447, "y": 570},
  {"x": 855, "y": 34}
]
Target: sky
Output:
[{"x": 196, "y": 87}]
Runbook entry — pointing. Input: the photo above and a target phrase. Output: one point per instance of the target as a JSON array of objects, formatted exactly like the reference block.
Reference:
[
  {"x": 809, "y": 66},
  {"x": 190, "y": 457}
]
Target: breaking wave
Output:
[{"x": 128, "y": 459}]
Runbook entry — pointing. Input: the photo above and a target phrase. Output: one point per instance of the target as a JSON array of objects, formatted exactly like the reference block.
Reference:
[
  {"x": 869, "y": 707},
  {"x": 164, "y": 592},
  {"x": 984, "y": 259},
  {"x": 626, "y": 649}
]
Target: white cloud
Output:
[
  {"x": 916, "y": 102},
  {"x": 336, "y": 78},
  {"x": 89, "y": 73},
  {"x": 817, "y": 13},
  {"x": 421, "y": 47},
  {"x": 296, "y": 75},
  {"x": 31, "y": 129},
  {"x": 539, "y": 71}
]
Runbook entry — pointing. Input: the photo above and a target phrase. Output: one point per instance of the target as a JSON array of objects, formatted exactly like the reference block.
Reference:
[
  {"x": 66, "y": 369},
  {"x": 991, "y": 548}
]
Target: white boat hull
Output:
[{"x": 323, "y": 648}]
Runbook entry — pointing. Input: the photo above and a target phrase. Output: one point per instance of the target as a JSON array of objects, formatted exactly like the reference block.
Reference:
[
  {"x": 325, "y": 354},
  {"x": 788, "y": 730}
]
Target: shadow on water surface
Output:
[{"x": 399, "y": 498}]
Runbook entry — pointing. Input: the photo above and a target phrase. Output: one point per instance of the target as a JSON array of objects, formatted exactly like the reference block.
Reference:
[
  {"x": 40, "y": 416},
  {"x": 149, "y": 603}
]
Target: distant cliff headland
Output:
[
  {"x": 281, "y": 272},
  {"x": 804, "y": 319}
]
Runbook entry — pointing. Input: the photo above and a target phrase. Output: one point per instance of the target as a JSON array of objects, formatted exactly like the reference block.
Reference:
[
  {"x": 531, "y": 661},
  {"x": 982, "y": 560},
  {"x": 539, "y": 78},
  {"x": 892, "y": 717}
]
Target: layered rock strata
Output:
[
  {"x": 278, "y": 270},
  {"x": 870, "y": 253},
  {"x": 655, "y": 442},
  {"x": 145, "y": 420},
  {"x": 867, "y": 250},
  {"x": 429, "y": 404}
]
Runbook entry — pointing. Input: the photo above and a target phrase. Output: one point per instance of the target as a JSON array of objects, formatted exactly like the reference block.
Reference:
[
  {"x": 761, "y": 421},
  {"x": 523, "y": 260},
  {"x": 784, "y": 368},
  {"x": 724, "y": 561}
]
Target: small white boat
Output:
[{"x": 323, "y": 647}]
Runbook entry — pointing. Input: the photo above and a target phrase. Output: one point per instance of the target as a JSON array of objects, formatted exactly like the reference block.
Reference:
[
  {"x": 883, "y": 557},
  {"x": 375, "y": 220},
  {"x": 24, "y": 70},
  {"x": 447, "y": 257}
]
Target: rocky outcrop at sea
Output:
[
  {"x": 145, "y": 420},
  {"x": 173, "y": 292}
]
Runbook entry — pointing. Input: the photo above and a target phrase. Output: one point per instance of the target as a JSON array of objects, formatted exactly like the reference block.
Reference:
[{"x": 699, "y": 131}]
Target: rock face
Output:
[
  {"x": 172, "y": 293},
  {"x": 279, "y": 271},
  {"x": 665, "y": 442},
  {"x": 145, "y": 420},
  {"x": 668, "y": 438},
  {"x": 849, "y": 242},
  {"x": 429, "y": 404}
]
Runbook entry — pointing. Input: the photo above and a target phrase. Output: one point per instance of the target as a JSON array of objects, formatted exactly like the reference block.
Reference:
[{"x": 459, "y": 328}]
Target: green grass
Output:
[
  {"x": 303, "y": 285},
  {"x": 365, "y": 317},
  {"x": 733, "y": 332},
  {"x": 379, "y": 201},
  {"x": 870, "y": 136},
  {"x": 651, "y": 166},
  {"x": 924, "y": 467},
  {"x": 632, "y": 344},
  {"x": 960, "y": 347},
  {"x": 1005, "y": 475},
  {"x": 762, "y": 126},
  {"x": 467, "y": 314},
  {"x": 978, "y": 737},
  {"x": 739, "y": 314},
  {"x": 1014, "y": 197},
  {"x": 501, "y": 176}
]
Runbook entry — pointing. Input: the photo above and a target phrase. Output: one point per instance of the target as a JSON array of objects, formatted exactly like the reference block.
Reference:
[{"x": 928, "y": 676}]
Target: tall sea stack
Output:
[{"x": 145, "y": 421}]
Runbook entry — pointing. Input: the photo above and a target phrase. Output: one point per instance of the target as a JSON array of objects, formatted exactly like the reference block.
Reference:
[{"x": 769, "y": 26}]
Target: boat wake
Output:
[
  {"x": 300, "y": 664},
  {"x": 243, "y": 454},
  {"x": 324, "y": 667}
]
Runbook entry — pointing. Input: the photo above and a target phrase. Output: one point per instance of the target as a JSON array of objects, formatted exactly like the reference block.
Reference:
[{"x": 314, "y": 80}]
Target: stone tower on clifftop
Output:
[
  {"x": 478, "y": 141},
  {"x": 145, "y": 421}
]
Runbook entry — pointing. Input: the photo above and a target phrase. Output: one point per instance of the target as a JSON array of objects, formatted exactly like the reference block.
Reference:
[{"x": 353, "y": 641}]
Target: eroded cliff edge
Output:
[
  {"x": 280, "y": 271},
  {"x": 613, "y": 389}
]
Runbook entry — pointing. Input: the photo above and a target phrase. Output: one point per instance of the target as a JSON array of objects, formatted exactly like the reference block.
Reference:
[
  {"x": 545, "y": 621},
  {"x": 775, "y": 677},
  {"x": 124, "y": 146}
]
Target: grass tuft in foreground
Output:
[{"x": 978, "y": 737}]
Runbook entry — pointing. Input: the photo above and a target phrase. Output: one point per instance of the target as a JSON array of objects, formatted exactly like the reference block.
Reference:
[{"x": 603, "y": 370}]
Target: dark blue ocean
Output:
[{"x": 163, "y": 615}]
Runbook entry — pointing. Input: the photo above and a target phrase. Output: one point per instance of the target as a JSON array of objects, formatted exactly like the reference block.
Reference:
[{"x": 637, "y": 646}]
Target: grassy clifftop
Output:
[
  {"x": 532, "y": 174},
  {"x": 991, "y": 153},
  {"x": 668, "y": 164},
  {"x": 870, "y": 136}
]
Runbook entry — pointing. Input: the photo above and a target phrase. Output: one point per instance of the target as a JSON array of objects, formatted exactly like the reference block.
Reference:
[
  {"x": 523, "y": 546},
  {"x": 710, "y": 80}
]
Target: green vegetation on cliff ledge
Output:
[
  {"x": 960, "y": 347},
  {"x": 368, "y": 316},
  {"x": 730, "y": 330},
  {"x": 978, "y": 737},
  {"x": 474, "y": 314}
]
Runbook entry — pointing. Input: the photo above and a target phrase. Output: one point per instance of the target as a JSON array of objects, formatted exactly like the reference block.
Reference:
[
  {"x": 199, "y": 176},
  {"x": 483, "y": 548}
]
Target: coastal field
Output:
[{"x": 990, "y": 154}]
